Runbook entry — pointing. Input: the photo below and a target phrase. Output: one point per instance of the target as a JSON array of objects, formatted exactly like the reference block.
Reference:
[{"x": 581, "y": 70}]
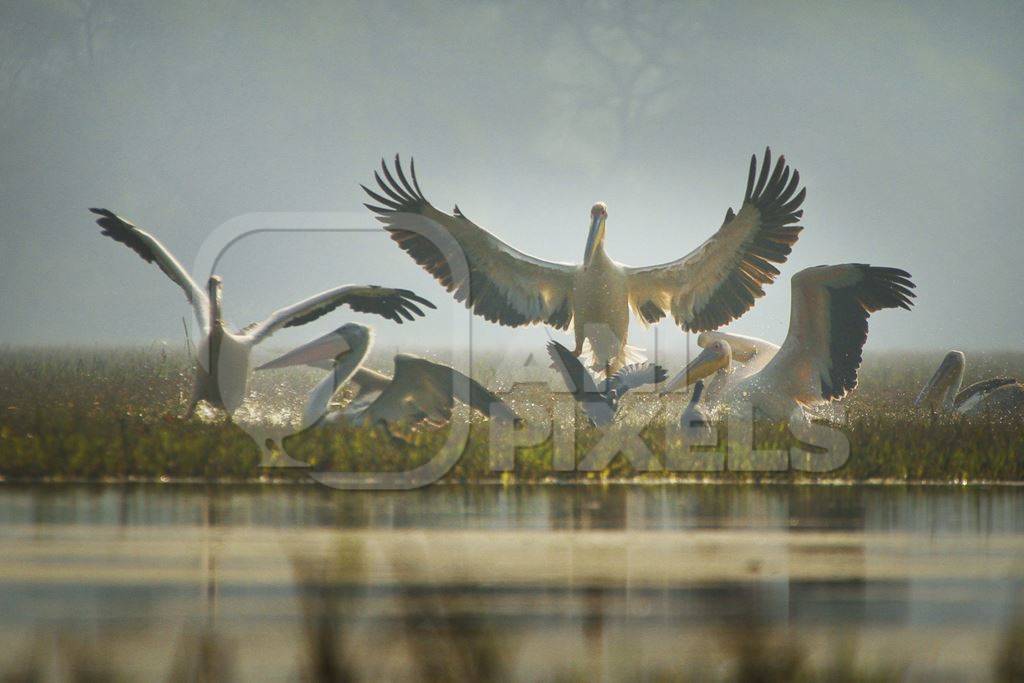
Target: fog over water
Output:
[{"x": 905, "y": 122}]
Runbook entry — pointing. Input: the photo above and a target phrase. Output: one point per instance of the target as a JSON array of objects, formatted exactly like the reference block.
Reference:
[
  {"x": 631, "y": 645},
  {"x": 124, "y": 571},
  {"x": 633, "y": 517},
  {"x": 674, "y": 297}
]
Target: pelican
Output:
[
  {"x": 996, "y": 396},
  {"x": 222, "y": 373},
  {"x": 420, "y": 390},
  {"x": 749, "y": 356},
  {"x": 694, "y": 423},
  {"x": 818, "y": 361},
  {"x": 717, "y": 282},
  {"x": 601, "y": 406}
]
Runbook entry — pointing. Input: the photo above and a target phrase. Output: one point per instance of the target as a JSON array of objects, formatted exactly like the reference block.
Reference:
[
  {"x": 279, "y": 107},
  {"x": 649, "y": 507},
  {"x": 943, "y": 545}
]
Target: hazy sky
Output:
[{"x": 906, "y": 123}]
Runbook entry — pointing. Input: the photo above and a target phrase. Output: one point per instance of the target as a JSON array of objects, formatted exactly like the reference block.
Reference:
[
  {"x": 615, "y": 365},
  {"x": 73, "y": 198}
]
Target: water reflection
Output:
[
  {"x": 932, "y": 510},
  {"x": 588, "y": 578}
]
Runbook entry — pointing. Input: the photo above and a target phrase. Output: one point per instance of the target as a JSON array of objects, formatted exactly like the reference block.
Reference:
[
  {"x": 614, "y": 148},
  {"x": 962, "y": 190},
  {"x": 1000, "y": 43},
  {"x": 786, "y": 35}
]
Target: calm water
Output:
[{"x": 611, "y": 582}]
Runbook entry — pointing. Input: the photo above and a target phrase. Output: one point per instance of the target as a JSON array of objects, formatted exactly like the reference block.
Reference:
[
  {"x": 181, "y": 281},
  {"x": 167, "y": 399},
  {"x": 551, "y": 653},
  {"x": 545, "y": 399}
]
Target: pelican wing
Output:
[
  {"x": 595, "y": 403},
  {"x": 828, "y": 325},
  {"x": 720, "y": 280},
  {"x": 1006, "y": 399},
  {"x": 635, "y": 376},
  {"x": 152, "y": 251},
  {"x": 979, "y": 389},
  {"x": 393, "y": 304},
  {"x": 371, "y": 383},
  {"x": 371, "y": 380},
  {"x": 577, "y": 378},
  {"x": 502, "y": 284},
  {"x": 422, "y": 390}
]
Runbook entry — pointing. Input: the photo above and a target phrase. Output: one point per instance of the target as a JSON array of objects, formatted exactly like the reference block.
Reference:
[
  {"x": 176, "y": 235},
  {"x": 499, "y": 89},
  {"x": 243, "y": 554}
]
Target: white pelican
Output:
[
  {"x": 601, "y": 406},
  {"x": 818, "y": 361},
  {"x": 749, "y": 356},
  {"x": 222, "y": 373},
  {"x": 420, "y": 391},
  {"x": 717, "y": 282},
  {"x": 996, "y": 396}
]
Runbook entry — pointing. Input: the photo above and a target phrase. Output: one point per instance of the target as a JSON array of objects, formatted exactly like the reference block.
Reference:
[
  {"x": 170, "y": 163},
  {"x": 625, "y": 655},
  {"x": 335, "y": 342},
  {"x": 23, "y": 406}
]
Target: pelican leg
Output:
[{"x": 580, "y": 337}]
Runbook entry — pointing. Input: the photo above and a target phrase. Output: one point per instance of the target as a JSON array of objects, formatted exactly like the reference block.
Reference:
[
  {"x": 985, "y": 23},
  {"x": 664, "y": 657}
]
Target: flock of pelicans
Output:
[{"x": 714, "y": 284}]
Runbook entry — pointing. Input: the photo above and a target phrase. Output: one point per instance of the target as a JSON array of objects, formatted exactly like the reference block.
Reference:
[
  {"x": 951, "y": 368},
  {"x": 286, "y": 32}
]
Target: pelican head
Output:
[
  {"x": 716, "y": 356},
  {"x": 741, "y": 347},
  {"x": 940, "y": 391},
  {"x": 327, "y": 351},
  {"x": 214, "y": 287},
  {"x": 595, "y": 240}
]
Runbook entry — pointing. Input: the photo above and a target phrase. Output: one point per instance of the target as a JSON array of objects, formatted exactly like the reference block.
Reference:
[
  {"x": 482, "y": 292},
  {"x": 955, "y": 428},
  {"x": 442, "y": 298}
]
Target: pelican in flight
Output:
[
  {"x": 996, "y": 396},
  {"x": 818, "y": 361},
  {"x": 222, "y": 373},
  {"x": 421, "y": 391},
  {"x": 601, "y": 406},
  {"x": 715, "y": 283}
]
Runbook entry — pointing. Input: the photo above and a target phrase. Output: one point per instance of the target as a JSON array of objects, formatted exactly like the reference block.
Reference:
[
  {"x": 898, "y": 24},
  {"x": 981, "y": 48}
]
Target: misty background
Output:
[{"x": 906, "y": 124}]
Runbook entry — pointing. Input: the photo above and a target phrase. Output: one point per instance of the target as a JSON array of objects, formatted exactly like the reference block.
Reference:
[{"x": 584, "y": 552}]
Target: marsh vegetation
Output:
[{"x": 94, "y": 414}]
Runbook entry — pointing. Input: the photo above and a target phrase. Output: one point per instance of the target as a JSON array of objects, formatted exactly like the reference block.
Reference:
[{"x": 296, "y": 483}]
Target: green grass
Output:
[{"x": 112, "y": 414}]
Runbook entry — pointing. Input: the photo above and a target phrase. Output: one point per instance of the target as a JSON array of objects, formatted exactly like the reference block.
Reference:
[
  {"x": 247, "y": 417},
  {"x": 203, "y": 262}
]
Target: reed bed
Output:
[{"x": 115, "y": 414}]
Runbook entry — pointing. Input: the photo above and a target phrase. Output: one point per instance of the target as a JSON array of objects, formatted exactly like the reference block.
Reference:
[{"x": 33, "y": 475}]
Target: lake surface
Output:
[{"x": 554, "y": 581}]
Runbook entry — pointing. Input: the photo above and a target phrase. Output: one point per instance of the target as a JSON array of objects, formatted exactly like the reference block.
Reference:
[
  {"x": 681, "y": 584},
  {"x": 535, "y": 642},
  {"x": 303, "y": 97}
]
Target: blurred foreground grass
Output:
[
  {"x": 115, "y": 414},
  {"x": 443, "y": 637}
]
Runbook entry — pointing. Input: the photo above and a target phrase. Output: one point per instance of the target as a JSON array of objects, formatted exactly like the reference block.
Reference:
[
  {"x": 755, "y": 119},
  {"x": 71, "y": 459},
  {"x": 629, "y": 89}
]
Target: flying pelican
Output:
[
  {"x": 818, "y": 361},
  {"x": 717, "y": 282},
  {"x": 420, "y": 390},
  {"x": 600, "y": 406},
  {"x": 996, "y": 396},
  {"x": 222, "y": 373}
]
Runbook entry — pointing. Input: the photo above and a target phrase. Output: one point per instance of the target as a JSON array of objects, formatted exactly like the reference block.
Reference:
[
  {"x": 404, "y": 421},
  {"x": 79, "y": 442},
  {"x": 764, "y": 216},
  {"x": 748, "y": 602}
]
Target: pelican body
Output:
[
  {"x": 421, "y": 391},
  {"x": 222, "y": 373},
  {"x": 998, "y": 396},
  {"x": 600, "y": 292},
  {"x": 819, "y": 359},
  {"x": 717, "y": 282}
]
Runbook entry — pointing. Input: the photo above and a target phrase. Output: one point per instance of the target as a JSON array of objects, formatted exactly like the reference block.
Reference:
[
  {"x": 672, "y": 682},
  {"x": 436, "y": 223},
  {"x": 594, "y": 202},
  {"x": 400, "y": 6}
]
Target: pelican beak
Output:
[
  {"x": 941, "y": 389},
  {"x": 708, "y": 362},
  {"x": 319, "y": 353},
  {"x": 595, "y": 237}
]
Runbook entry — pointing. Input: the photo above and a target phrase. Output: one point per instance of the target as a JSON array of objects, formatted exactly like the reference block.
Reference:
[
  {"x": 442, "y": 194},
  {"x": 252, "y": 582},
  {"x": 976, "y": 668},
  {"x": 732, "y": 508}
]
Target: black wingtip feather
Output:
[
  {"x": 774, "y": 190},
  {"x": 399, "y": 195},
  {"x": 849, "y": 309},
  {"x": 479, "y": 291}
]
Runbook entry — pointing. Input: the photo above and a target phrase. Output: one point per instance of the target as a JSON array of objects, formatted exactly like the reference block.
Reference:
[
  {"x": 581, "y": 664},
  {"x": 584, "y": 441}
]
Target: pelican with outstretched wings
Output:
[
  {"x": 222, "y": 373},
  {"x": 818, "y": 361},
  {"x": 994, "y": 397},
  {"x": 421, "y": 391},
  {"x": 715, "y": 283}
]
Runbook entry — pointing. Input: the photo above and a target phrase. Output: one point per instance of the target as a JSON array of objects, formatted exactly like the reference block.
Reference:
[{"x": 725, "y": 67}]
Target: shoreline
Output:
[{"x": 513, "y": 482}]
